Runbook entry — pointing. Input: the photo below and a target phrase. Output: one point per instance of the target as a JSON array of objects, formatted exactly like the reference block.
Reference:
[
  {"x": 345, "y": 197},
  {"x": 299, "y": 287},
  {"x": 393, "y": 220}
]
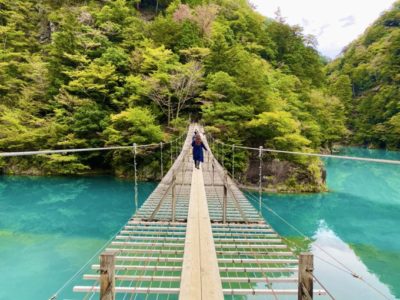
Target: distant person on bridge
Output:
[
  {"x": 198, "y": 147},
  {"x": 194, "y": 135}
]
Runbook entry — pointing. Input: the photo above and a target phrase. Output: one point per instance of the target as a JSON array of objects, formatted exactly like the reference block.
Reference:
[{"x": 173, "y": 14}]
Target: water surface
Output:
[
  {"x": 51, "y": 226},
  {"x": 357, "y": 222}
]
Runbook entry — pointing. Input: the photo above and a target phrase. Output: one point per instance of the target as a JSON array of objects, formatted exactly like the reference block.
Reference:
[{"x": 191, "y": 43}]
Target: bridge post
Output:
[
  {"x": 306, "y": 267},
  {"x": 161, "y": 160},
  {"x": 183, "y": 167},
  {"x": 233, "y": 161},
  {"x": 260, "y": 180},
  {"x": 213, "y": 169},
  {"x": 135, "y": 175},
  {"x": 107, "y": 276},
  {"x": 171, "y": 153},
  {"x": 173, "y": 199},
  {"x": 225, "y": 199},
  {"x": 176, "y": 148}
]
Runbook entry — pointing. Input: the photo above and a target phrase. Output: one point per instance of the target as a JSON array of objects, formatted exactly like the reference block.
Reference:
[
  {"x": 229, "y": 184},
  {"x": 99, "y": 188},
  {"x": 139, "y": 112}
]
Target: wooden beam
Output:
[
  {"x": 306, "y": 267},
  {"x": 107, "y": 276},
  {"x": 200, "y": 273},
  {"x": 225, "y": 200},
  {"x": 128, "y": 290},
  {"x": 173, "y": 197}
]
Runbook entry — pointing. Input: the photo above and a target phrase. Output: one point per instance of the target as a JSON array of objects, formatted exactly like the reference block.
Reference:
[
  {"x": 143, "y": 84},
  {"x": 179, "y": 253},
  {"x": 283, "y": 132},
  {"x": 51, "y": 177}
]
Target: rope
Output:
[
  {"x": 26, "y": 153},
  {"x": 86, "y": 264},
  {"x": 134, "y": 147},
  {"x": 295, "y": 246},
  {"x": 64, "y": 151},
  {"x": 345, "y": 268},
  {"x": 319, "y": 282},
  {"x": 344, "y": 157}
]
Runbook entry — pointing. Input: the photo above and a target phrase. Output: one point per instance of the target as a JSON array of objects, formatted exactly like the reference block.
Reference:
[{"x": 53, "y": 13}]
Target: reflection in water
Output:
[
  {"x": 361, "y": 223},
  {"x": 51, "y": 226},
  {"x": 336, "y": 278}
]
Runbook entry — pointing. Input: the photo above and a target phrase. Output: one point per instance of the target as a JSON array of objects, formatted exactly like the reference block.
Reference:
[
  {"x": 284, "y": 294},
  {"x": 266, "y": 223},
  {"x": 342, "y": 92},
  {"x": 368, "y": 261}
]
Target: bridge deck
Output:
[{"x": 195, "y": 255}]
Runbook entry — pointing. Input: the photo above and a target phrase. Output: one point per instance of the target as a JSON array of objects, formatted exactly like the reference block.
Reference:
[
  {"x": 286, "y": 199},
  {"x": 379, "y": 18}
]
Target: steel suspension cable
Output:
[
  {"x": 295, "y": 246},
  {"x": 135, "y": 175},
  {"x": 86, "y": 264},
  {"x": 344, "y": 157},
  {"x": 320, "y": 283},
  {"x": 348, "y": 270},
  {"x": 65, "y": 151}
]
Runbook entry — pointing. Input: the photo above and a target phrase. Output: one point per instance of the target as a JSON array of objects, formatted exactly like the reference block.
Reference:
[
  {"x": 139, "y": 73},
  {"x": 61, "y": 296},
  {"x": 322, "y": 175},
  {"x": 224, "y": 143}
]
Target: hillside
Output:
[
  {"x": 78, "y": 74},
  {"x": 367, "y": 78}
]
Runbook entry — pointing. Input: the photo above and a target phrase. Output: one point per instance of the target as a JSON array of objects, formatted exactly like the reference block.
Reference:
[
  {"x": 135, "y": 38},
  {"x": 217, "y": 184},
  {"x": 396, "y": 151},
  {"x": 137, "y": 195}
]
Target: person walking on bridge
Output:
[
  {"x": 194, "y": 135},
  {"x": 198, "y": 147}
]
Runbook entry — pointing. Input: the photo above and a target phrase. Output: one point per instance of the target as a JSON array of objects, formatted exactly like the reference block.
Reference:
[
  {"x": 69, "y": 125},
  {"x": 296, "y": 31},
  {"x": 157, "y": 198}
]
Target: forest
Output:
[
  {"x": 371, "y": 66},
  {"x": 78, "y": 74}
]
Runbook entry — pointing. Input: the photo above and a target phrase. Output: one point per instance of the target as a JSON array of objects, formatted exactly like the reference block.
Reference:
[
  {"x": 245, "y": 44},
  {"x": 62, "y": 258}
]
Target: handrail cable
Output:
[
  {"x": 86, "y": 264},
  {"x": 64, "y": 151},
  {"x": 345, "y": 157},
  {"x": 320, "y": 283},
  {"x": 133, "y": 147},
  {"x": 347, "y": 269}
]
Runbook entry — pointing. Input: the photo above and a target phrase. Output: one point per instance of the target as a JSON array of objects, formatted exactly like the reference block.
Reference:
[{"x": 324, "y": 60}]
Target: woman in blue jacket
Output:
[{"x": 198, "y": 147}]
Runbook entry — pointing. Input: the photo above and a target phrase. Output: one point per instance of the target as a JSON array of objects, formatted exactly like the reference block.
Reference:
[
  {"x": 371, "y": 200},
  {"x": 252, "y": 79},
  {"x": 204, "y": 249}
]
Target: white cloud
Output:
[
  {"x": 348, "y": 21},
  {"x": 334, "y": 23}
]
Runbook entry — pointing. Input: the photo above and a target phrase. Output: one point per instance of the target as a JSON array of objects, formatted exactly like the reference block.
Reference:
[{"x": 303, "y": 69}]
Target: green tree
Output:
[{"x": 134, "y": 125}]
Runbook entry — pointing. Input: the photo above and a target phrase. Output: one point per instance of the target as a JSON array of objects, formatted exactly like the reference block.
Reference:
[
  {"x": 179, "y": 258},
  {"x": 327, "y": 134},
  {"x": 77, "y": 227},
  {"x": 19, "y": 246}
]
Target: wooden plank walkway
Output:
[
  {"x": 192, "y": 253},
  {"x": 200, "y": 275}
]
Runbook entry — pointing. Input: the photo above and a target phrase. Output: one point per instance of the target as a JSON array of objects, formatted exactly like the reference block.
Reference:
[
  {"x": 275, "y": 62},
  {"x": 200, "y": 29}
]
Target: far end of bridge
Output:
[{"x": 198, "y": 237}]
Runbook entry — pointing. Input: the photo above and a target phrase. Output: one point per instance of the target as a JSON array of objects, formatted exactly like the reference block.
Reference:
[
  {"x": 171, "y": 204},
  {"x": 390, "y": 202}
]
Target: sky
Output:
[{"x": 335, "y": 24}]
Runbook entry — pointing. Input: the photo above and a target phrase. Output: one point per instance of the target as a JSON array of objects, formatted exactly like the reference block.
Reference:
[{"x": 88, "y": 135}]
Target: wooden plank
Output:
[
  {"x": 250, "y": 249},
  {"x": 128, "y": 290},
  {"x": 190, "y": 278},
  {"x": 244, "y": 292},
  {"x": 200, "y": 273},
  {"x": 139, "y": 278},
  {"x": 142, "y": 268},
  {"x": 211, "y": 280}
]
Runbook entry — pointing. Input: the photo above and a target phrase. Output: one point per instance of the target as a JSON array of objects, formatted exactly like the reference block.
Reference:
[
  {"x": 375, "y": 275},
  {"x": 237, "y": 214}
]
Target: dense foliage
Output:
[
  {"x": 116, "y": 72},
  {"x": 367, "y": 79}
]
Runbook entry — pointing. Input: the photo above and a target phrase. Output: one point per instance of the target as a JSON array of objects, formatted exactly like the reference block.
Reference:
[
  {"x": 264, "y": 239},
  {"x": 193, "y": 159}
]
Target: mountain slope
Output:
[
  {"x": 367, "y": 79},
  {"x": 80, "y": 74}
]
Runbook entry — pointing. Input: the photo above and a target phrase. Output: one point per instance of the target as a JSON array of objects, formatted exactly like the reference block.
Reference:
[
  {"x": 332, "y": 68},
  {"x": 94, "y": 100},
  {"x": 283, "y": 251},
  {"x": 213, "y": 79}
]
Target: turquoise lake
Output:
[{"x": 51, "y": 226}]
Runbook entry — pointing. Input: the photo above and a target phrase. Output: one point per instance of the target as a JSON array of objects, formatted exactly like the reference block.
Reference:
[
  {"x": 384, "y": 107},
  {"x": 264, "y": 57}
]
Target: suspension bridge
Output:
[{"x": 198, "y": 237}]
